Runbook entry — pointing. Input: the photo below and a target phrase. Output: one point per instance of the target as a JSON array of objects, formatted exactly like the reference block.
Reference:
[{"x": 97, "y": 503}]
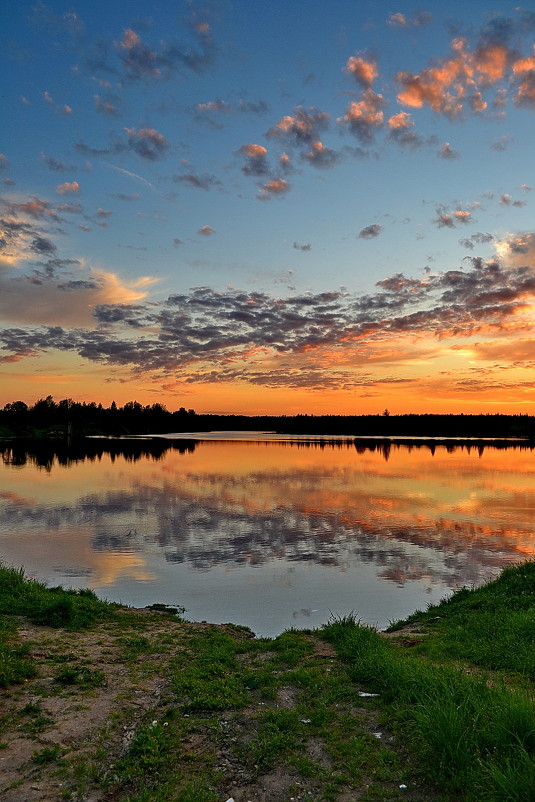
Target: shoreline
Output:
[{"x": 128, "y": 704}]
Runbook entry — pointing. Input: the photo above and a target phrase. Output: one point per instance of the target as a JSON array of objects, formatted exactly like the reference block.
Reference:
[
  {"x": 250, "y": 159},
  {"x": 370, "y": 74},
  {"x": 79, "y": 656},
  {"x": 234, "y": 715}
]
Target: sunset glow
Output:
[{"x": 269, "y": 208}]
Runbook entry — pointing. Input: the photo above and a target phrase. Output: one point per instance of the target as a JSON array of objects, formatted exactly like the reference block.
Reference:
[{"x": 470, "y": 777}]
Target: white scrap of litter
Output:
[
  {"x": 364, "y": 694},
  {"x": 306, "y": 721},
  {"x": 230, "y": 799},
  {"x": 377, "y": 734},
  {"x": 402, "y": 787}
]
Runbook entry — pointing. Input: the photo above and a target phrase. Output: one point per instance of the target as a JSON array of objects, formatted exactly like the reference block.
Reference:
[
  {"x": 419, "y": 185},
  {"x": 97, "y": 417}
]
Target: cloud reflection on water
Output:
[{"x": 249, "y": 504}]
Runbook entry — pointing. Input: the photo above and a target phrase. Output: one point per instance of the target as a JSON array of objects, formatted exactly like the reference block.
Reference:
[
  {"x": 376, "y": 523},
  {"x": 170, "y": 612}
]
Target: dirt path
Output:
[{"x": 64, "y": 732}]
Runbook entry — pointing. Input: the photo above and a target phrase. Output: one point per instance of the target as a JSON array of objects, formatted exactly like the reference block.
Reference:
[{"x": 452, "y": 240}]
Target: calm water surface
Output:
[{"x": 268, "y": 534}]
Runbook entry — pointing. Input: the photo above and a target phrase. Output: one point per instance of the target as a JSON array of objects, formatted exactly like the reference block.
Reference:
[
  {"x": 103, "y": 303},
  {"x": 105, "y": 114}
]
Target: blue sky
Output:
[{"x": 349, "y": 183}]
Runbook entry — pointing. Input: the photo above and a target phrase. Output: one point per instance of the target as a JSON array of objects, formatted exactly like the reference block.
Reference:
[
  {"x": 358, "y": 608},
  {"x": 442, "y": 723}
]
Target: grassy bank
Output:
[{"x": 102, "y": 702}]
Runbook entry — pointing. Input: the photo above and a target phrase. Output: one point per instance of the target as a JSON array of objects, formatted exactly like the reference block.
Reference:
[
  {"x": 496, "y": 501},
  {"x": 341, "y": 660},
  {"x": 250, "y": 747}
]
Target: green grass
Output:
[
  {"x": 82, "y": 676},
  {"x": 473, "y": 735},
  {"x": 232, "y": 709},
  {"x": 55, "y": 607},
  {"x": 492, "y": 626}
]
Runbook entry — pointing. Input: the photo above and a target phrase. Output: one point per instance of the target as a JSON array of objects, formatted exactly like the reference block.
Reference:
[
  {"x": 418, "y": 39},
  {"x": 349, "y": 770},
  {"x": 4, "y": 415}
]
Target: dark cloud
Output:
[
  {"x": 107, "y": 106},
  {"x": 303, "y": 127},
  {"x": 79, "y": 284},
  {"x": 251, "y": 107},
  {"x": 57, "y": 165},
  {"x": 450, "y": 219},
  {"x": 113, "y": 149},
  {"x": 163, "y": 60},
  {"x": 212, "y": 110},
  {"x": 506, "y": 200},
  {"x": 256, "y": 160},
  {"x": 42, "y": 245},
  {"x": 418, "y": 20},
  {"x": 147, "y": 143},
  {"x": 204, "y": 335},
  {"x": 70, "y": 208},
  {"x": 502, "y": 143},
  {"x": 401, "y": 130},
  {"x": 370, "y": 232},
  {"x": 321, "y": 157},
  {"x": 447, "y": 152},
  {"x": 477, "y": 237},
  {"x": 204, "y": 181},
  {"x": 365, "y": 117}
]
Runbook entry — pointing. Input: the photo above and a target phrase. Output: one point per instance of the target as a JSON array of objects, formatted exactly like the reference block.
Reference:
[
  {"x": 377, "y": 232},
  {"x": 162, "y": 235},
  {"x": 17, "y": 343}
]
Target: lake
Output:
[{"x": 267, "y": 532}]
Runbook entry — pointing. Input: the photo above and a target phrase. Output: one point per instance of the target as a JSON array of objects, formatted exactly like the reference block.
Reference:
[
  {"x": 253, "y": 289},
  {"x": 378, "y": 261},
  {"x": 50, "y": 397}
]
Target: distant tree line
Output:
[{"x": 69, "y": 419}]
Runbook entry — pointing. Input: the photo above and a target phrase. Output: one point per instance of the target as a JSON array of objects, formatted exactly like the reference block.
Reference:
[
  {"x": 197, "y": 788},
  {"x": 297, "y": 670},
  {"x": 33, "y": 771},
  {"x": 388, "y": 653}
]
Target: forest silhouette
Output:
[{"x": 71, "y": 419}]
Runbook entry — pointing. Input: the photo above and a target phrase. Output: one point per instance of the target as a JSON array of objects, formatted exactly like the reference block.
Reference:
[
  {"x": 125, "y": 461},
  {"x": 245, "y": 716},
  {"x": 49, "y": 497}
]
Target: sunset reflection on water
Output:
[{"x": 271, "y": 534}]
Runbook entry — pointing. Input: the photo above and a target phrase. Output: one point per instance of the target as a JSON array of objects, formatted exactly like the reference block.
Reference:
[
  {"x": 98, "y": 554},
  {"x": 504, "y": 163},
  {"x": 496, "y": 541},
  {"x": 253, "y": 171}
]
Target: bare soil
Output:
[{"x": 90, "y": 726}]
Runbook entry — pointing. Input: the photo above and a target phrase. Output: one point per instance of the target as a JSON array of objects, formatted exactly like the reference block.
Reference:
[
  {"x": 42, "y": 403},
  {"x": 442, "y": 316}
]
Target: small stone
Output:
[{"x": 402, "y": 787}]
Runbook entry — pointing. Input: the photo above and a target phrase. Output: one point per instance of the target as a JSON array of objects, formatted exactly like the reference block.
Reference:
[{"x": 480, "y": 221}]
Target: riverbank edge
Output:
[{"x": 278, "y": 695}]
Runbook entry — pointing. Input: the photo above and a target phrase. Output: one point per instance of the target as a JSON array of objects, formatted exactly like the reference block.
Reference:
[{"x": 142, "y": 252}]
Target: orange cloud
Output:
[
  {"x": 277, "y": 186},
  {"x": 364, "y": 72},
  {"x": 445, "y": 87},
  {"x": 399, "y": 121},
  {"x": 364, "y": 116},
  {"x": 68, "y": 188},
  {"x": 491, "y": 62},
  {"x": 524, "y": 64},
  {"x": 253, "y": 151}
]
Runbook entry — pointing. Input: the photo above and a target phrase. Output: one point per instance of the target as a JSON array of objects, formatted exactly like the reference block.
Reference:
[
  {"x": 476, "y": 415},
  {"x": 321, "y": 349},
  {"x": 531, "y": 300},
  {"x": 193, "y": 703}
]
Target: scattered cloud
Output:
[
  {"x": 450, "y": 219},
  {"x": 502, "y": 143},
  {"x": 401, "y": 130},
  {"x": 57, "y": 165},
  {"x": 274, "y": 188},
  {"x": 364, "y": 71},
  {"x": 68, "y": 188},
  {"x": 507, "y": 200},
  {"x": 147, "y": 143},
  {"x": 419, "y": 20},
  {"x": 303, "y": 127},
  {"x": 107, "y": 106},
  {"x": 203, "y": 181},
  {"x": 370, "y": 232},
  {"x": 321, "y": 157},
  {"x": 476, "y": 239},
  {"x": 298, "y": 247},
  {"x": 213, "y": 336},
  {"x": 447, "y": 152},
  {"x": 256, "y": 160},
  {"x": 365, "y": 117},
  {"x": 206, "y": 231}
]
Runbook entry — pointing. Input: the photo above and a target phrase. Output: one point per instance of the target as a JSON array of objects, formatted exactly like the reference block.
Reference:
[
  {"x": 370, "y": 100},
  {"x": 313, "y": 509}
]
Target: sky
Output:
[{"x": 269, "y": 207}]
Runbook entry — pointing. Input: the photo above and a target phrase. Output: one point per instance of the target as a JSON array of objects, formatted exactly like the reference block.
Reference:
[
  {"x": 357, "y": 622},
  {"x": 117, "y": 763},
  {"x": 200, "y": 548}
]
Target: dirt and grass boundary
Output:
[{"x": 102, "y": 703}]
